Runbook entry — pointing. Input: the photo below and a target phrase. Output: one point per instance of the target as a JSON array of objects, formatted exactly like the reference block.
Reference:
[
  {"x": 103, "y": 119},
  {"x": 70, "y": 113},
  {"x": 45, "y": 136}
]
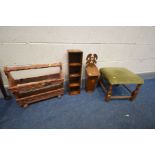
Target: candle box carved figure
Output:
[{"x": 92, "y": 73}]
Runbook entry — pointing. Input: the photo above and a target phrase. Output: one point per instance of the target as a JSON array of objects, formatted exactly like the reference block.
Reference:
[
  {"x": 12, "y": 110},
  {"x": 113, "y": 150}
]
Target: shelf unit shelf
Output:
[
  {"x": 74, "y": 92},
  {"x": 75, "y": 66},
  {"x": 74, "y": 85},
  {"x": 74, "y": 75}
]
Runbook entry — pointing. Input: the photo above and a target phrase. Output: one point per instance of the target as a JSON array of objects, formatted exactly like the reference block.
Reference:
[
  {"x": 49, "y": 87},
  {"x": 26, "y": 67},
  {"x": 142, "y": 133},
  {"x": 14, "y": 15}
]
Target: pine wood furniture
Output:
[
  {"x": 33, "y": 89},
  {"x": 6, "y": 96},
  {"x": 74, "y": 66},
  {"x": 115, "y": 76},
  {"x": 92, "y": 73}
]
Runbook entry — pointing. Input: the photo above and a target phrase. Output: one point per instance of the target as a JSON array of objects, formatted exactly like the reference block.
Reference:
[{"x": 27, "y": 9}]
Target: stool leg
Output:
[
  {"x": 109, "y": 93},
  {"x": 135, "y": 92}
]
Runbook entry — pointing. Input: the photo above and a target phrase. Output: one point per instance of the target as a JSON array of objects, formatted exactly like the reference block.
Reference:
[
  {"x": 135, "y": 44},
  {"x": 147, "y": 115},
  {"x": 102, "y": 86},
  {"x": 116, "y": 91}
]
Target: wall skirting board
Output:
[{"x": 149, "y": 75}]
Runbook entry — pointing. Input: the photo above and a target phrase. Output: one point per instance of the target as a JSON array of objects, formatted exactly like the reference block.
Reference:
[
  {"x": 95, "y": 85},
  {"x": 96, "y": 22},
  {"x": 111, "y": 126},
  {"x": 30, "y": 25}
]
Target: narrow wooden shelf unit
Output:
[{"x": 75, "y": 67}]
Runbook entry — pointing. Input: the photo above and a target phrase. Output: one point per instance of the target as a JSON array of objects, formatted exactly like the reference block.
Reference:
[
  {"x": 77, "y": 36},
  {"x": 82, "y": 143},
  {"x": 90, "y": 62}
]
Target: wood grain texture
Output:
[
  {"x": 92, "y": 73},
  {"x": 39, "y": 97},
  {"x": 75, "y": 67},
  {"x": 33, "y": 85},
  {"x": 33, "y": 89},
  {"x": 37, "y": 66},
  {"x": 92, "y": 70}
]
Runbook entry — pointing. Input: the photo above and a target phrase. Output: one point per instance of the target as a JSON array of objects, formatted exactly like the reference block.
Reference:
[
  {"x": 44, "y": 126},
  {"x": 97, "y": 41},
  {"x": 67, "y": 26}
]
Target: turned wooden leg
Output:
[
  {"x": 108, "y": 94},
  {"x": 135, "y": 92}
]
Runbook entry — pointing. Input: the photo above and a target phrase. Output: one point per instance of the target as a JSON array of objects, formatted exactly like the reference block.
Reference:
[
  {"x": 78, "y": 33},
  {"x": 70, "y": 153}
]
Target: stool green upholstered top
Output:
[{"x": 119, "y": 76}]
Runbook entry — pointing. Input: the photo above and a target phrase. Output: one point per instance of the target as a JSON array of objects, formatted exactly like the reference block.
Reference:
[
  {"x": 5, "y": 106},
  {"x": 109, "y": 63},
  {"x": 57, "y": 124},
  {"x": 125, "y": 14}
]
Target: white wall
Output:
[{"x": 131, "y": 47}]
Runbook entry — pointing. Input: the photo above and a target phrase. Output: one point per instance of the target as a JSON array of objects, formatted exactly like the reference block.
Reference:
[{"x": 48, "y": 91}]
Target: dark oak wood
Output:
[
  {"x": 75, "y": 67},
  {"x": 92, "y": 73},
  {"x": 75, "y": 64},
  {"x": 109, "y": 94},
  {"x": 33, "y": 89}
]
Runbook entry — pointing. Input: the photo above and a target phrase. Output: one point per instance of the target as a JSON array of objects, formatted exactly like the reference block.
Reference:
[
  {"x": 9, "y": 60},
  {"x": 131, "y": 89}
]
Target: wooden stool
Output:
[
  {"x": 119, "y": 76},
  {"x": 92, "y": 73}
]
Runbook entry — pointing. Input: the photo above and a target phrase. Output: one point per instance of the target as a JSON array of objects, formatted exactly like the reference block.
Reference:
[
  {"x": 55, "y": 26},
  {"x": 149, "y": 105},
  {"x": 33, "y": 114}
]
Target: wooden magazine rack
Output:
[{"x": 33, "y": 89}]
